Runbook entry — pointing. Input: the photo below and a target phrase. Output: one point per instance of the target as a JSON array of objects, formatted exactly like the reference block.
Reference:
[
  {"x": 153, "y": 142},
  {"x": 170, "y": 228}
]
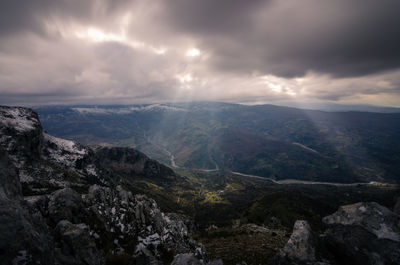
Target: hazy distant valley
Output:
[{"x": 268, "y": 141}]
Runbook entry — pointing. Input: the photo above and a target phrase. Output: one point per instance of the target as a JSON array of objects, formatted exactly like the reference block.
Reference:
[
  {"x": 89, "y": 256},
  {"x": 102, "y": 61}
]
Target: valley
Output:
[
  {"x": 268, "y": 141},
  {"x": 238, "y": 217}
]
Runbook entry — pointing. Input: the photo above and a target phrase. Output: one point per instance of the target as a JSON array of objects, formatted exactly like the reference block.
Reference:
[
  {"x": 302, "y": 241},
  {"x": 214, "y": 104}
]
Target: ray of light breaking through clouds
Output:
[{"x": 138, "y": 51}]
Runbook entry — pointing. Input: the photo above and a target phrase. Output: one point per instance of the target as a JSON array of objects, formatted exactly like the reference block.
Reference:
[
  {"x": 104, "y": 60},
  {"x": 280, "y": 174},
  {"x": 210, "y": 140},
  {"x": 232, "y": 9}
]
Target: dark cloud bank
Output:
[{"x": 249, "y": 51}]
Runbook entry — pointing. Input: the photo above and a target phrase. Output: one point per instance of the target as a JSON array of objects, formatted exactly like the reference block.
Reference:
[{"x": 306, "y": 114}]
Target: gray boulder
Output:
[
  {"x": 65, "y": 204},
  {"x": 75, "y": 245},
  {"x": 363, "y": 233},
  {"x": 301, "y": 243},
  {"x": 300, "y": 248},
  {"x": 371, "y": 216}
]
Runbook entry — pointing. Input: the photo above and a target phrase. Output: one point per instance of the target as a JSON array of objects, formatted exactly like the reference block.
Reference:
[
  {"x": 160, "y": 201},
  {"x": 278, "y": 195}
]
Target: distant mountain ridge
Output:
[
  {"x": 296, "y": 144},
  {"x": 331, "y": 107}
]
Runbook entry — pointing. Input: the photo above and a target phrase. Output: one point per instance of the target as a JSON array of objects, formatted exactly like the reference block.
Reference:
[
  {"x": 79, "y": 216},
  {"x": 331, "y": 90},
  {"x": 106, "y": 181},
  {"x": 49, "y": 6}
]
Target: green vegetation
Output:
[
  {"x": 252, "y": 244},
  {"x": 221, "y": 198},
  {"x": 269, "y": 141}
]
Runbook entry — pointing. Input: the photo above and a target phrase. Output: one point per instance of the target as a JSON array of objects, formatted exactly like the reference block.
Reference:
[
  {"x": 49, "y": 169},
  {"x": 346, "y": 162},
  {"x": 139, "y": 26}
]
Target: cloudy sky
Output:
[{"x": 147, "y": 51}]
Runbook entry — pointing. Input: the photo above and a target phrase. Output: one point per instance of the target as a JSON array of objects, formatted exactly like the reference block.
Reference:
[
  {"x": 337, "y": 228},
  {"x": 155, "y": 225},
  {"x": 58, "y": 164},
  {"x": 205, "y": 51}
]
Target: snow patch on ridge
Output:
[
  {"x": 127, "y": 110},
  {"x": 18, "y": 118},
  {"x": 65, "y": 152}
]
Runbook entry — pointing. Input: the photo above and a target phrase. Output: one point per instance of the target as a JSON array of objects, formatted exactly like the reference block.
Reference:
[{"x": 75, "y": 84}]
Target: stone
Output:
[
  {"x": 186, "y": 259},
  {"x": 65, "y": 204},
  {"x": 363, "y": 233},
  {"x": 300, "y": 248},
  {"x": 371, "y": 216},
  {"x": 301, "y": 243},
  {"x": 75, "y": 244}
]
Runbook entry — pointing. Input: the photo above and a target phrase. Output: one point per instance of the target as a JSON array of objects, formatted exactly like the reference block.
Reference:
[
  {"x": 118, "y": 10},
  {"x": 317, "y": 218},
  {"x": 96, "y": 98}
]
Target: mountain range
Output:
[
  {"x": 269, "y": 141},
  {"x": 67, "y": 203}
]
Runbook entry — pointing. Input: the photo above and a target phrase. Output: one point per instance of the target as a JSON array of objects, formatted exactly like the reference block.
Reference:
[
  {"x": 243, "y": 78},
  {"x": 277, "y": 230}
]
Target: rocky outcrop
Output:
[
  {"x": 64, "y": 204},
  {"x": 60, "y": 204},
  {"x": 24, "y": 236},
  {"x": 133, "y": 164},
  {"x": 20, "y": 133},
  {"x": 10, "y": 187},
  {"x": 68, "y": 228},
  {"x": 301, "y": 243},
  {"x": 363, "y": 233},
  {"x": 301, "y": 247},
  {"x": 75, "y": 245},
  {"x": 46, "y": 163}
]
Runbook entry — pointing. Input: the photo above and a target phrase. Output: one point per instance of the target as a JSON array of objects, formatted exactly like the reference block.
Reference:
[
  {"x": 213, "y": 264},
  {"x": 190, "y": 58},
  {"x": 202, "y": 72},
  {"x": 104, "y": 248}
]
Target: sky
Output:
[{"x": 242, "y": 51}]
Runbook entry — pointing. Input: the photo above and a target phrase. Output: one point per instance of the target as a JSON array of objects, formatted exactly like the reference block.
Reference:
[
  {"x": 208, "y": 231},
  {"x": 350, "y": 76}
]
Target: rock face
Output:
[
  {"x": 10, "y": 187},
  {"x": 301, "y": 243},
  {"x": 301, "y": 247},
  {"x": 24, "y": 236},
  {"x": 46, "y": 163},
  {"x": 396, "y": 208},
  {"x": 363, "y": 233},
  {"x": 75, "y": 245},
  {"x": 60, "y": 204},
  {"x": 132, "y": 163},
  {"x": 114, "y": 222},
  {"x": 20, "y": 132}
]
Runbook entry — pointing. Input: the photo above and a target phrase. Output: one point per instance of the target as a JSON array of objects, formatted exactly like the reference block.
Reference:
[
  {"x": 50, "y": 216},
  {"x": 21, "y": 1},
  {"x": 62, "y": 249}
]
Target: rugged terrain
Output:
[
  {"x": 61, "y": 205},
  {"x": 65, "y": 203},
  {"x": 269, "y": 141}
]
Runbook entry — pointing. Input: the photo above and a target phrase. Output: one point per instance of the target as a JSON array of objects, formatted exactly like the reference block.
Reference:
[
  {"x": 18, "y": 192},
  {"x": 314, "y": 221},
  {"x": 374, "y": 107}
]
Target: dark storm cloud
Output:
[
  {"x": 29, "y": 16},
  {"x": 289, "y": 38},
  {"x": 285, "y": 38},
  {"x": 212, "y": 17},
  {"x": 122, "y": 51}
]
